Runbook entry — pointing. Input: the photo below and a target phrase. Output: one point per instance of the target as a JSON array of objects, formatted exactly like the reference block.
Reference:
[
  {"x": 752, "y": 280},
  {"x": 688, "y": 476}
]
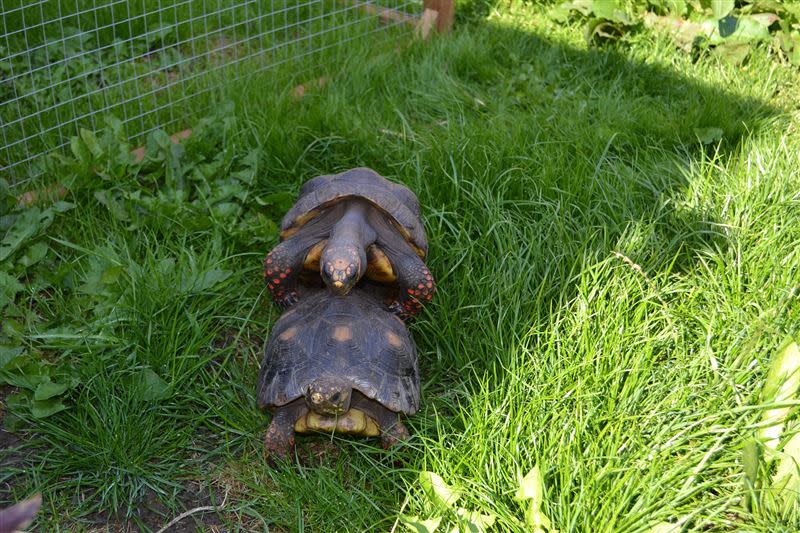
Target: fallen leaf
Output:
[
  {"x": 48, "y": 389},
  {"x": 786, "y": 480},
  {"x": 439, "y": 492},
  {"x": 531, "y": 487},
  {"x": 708, "y": 135},
  {"x": 474, "y": 521},
  {"x": 684, "y": 32},
  {"x": 153, "y": 387},
  {"x": 415, "y": 524},
  {"x": 781, "y": 385},
  {"x": 721, "y": 8},
  {"x": 45, "y": 408}
]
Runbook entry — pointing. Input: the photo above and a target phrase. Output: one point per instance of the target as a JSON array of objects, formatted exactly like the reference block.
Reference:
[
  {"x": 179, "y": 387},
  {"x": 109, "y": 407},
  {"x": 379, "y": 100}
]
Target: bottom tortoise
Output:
[{"x": 339, "y": 364}]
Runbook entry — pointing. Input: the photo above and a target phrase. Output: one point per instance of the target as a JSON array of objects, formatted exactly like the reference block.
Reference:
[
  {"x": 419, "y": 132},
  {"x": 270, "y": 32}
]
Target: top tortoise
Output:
[{"x": 348, "y": 226}]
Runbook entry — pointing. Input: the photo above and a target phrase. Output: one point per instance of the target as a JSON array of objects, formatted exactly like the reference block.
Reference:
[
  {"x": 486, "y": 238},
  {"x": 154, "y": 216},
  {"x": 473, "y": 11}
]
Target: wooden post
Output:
[{"x": 446, "y": 11}]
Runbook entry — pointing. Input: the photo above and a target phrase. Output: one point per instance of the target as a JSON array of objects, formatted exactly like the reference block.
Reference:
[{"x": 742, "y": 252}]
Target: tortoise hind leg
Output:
[
  {"x": 393, "y": 431},
  {"x": 279, "y": 439}
]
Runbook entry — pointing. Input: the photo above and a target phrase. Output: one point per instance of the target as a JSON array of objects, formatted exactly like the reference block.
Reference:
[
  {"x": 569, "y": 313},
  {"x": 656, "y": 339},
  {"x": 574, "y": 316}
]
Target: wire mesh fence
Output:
[{"x": 64, "y": 64}]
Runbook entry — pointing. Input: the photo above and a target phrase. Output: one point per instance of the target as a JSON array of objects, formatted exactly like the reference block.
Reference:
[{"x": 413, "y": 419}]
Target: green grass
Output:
[{"x": 610, "y": 290}]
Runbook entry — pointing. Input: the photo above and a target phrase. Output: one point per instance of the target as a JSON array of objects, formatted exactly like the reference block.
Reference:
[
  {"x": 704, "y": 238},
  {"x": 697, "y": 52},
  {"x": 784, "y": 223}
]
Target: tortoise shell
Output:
[
  {"x": 350, "y": 337},
  {"x": 396, "y": 201}
]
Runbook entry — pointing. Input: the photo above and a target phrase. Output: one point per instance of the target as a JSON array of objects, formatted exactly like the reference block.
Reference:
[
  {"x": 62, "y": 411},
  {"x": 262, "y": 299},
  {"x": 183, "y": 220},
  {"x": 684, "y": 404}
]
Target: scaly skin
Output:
[
  {"x": 344, "y": 259},
  {"x": 279, "y": 439},
  {"x": 415, "y": 283},
  {"x": 348, "y": 232},
  {"x": 393, "y": 431},
  {"x": 281, "y": 269}
]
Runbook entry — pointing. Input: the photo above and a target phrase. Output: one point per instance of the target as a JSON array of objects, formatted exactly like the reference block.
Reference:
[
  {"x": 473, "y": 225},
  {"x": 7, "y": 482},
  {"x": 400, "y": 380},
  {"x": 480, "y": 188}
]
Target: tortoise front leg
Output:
[
  {"x": 279, "y": 439},
  {"x": 414, "y": 282},
  {"x": 281, "y": 268}
]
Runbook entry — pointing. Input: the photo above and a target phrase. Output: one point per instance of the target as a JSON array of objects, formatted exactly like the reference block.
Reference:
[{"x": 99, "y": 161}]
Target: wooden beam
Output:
[
  {"x": 446, "y": 10},
  {"x": 383, "y": 13},
  {"x": 426, "y": 24}
]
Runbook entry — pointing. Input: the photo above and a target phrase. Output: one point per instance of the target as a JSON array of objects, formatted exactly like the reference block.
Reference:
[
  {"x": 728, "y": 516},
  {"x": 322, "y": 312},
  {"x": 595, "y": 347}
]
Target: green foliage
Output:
[
  {"x": 25, "y": 268},
  {"x": 730, "y": 31},
  {"x": 197, "y": 184},
  {"x": 442, "y": 498},
  {"x": 438, "y": 492}
]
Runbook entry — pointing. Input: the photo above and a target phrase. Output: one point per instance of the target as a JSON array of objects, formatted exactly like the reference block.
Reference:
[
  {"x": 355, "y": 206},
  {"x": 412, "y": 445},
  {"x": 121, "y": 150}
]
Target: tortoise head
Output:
[
  {"x": 328, "y": 397},
  {"x": 341, "y": 266}
]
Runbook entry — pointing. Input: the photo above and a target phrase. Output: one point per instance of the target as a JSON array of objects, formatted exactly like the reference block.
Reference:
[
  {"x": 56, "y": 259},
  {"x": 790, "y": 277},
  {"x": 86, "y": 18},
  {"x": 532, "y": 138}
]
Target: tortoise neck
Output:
[{"x": 354, "y": 227}]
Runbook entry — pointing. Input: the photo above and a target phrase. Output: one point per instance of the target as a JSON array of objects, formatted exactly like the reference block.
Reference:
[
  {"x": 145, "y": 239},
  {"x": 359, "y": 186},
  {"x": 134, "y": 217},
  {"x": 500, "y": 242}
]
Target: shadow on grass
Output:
[{"x": 527, "y": 149}]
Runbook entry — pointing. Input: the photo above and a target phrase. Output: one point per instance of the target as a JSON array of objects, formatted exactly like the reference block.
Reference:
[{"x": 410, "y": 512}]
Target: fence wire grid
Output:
[{"x": 65, "y": 64}]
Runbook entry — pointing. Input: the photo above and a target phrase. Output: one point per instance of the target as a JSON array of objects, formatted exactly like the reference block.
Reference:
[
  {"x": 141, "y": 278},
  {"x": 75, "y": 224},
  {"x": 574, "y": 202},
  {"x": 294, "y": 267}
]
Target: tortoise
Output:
[
  {"x": 347, "y": 226},
  {"x": 338, "y": 363}
]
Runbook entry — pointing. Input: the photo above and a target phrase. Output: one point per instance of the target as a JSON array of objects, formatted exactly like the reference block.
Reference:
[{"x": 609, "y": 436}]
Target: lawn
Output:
[{"x": 611, "y": 289}]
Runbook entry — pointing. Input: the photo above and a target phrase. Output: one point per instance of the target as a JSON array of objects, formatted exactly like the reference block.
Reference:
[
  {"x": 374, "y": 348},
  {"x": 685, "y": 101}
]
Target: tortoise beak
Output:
[{"x": 339, "y": 282}]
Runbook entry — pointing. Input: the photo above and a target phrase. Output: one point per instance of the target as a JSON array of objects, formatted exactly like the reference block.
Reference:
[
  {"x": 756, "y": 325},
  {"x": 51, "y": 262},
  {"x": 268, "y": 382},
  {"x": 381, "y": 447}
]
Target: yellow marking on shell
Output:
[
  {"x": 406, "y": 235},
  {"x": 378, "y": 266},
  {"x": 289, "y": 334},
  {"x": 353, "y": 422},
  {"x": 299, "y": 222},
  {"x": 342, "y": 333},
  {"x": 288, "y": 232},
  {"x": 394, "y": 339},
  {"x": 311, "y": 262},
  {"x": 303, "y": 219}
]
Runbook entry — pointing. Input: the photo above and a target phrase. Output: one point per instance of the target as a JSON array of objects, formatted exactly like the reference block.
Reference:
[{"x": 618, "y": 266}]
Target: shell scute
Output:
[{"x": 349, "y": 337}]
